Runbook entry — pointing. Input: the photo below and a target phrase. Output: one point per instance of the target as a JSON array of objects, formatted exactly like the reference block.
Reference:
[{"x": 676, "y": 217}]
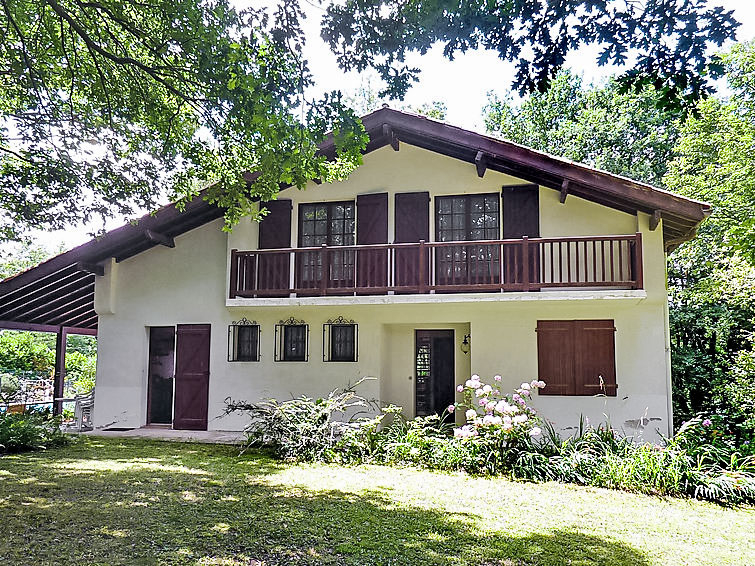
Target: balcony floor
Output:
[{"x": 433, "y": 298}]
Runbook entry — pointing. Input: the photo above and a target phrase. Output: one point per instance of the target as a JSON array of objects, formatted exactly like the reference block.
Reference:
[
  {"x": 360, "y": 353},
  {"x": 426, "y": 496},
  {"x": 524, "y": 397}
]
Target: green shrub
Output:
[
  {"x": 301, "y": 428},
  {"x": 29, "y": 431}
]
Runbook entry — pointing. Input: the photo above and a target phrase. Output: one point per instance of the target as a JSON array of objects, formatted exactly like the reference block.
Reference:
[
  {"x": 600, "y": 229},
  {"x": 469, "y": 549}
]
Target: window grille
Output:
[
  {"x": 340, "y": 340},
  {"x": 244, "y": 341},
  {"x": 291, "y": 341}
]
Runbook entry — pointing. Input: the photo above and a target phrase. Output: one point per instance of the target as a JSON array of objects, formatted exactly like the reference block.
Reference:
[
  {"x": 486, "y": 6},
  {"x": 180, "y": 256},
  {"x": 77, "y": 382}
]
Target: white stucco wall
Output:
[{"x": 188, "y": 284}]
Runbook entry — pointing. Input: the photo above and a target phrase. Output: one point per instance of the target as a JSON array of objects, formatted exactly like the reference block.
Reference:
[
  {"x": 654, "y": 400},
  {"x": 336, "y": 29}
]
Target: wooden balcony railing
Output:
[{"x": 440, "y": 267}]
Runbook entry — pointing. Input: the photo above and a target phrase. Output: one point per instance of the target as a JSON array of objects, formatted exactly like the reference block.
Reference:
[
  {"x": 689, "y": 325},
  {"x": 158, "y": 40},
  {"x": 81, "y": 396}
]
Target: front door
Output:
[
  {"x": 160, "y": 375},
  {"x": 434, "y": 371},
  {"x": 192, "y": 376}
]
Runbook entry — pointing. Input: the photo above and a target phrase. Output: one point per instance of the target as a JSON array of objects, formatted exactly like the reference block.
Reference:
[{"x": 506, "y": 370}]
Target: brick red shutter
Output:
[
  {"x": 372, "y": 228},
  {"x": 595, "y": 357},
  {"x": 275, "y": 232},
  {"x": 412, "y": 215},
  {"x": 555, "y": 356}
]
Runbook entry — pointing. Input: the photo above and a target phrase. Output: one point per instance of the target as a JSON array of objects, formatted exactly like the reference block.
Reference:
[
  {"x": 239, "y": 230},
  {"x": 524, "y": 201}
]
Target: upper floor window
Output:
[
  {"x": 330, "y": 223},
  {"x": 467, "y": 217}
]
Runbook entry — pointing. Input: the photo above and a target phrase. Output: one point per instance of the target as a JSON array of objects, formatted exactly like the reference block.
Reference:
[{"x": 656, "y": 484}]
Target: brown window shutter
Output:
[
  {"x": 275, "y": 232},
  {"x": 555, "y": 356},
  {"x": 372, "y": 219},
  {"x": 521, "y": 211},
  {"x": 521, "y": 217},
  {"x": 275, "y": 227},
  {"x": 372, "y": 228},
  {"x": 595, "y": 357},
  {"x": 412, "y": 216}
]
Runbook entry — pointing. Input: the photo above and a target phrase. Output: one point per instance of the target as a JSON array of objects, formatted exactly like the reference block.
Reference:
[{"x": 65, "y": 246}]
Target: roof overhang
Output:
[{"x": 60, "y": 291}]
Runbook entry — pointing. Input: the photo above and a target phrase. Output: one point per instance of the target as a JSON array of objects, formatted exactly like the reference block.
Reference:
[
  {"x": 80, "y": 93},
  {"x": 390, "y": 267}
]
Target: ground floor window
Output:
[
  {"x": 339, "y": 343},
  {"x": 244, "y": 341},
  {"x": 577, "y": 357},
  {"x": 291, "y": 341}
]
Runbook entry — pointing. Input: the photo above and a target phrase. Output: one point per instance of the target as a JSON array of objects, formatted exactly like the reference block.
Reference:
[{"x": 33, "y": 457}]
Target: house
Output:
[{"x": 447, "y": 253}]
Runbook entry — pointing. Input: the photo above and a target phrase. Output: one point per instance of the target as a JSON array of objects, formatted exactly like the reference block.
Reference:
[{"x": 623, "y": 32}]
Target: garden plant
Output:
[{"x": 504, "y": 435}]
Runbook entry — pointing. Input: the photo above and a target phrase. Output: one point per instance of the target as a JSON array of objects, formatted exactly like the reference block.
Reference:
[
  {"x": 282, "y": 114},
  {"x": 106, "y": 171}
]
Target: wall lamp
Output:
[{"x": 465, "y": 344}]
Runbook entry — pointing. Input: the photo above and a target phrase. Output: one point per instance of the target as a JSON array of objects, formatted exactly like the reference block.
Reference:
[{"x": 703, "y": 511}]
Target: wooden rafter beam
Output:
[
  {"x": 481, "y": 163},
  {"x": 32, "y": 327},
  {"x": 158, "y": 238},
  {"x": 564, "y": 191},
  {"x": 655, "y": 219},
  {"x": 389, "y": 134},
  {"x": 93, "y": 268}
]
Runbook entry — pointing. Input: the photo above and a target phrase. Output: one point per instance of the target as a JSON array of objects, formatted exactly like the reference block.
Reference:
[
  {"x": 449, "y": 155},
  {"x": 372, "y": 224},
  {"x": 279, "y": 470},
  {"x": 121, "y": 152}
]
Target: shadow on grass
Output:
[{"x": 159, "y": 503}]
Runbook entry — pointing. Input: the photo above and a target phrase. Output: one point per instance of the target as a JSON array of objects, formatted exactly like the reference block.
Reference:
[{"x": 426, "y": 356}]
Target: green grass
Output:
[{"x": 145, "y": 502}]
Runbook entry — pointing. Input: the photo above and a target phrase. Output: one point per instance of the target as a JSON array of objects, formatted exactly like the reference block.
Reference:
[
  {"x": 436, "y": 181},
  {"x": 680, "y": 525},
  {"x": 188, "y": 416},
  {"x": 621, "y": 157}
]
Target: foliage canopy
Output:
[
  {"x": 104, "y": 105},
  {"x": 664, "y": 42}
]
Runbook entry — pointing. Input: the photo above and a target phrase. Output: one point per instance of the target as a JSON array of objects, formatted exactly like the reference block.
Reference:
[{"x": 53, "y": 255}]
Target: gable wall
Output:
[{"x": 188, "y": 284}]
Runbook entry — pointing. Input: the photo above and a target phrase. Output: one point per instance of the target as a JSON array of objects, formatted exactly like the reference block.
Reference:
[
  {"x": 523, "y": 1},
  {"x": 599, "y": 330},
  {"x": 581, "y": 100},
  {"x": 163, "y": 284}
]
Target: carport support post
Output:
[{"x": 60, "y": 369}]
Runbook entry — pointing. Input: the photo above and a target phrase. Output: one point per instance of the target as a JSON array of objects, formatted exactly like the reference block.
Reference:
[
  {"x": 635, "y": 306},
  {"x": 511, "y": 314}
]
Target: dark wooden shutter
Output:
[
  {"x": 521, "y": 217},
  {"x": 412, "y": 219},
  {"x": 275, "y": 232},
  {"x": 594, "y": 357},
  {"x": 555, "y": 356},
  {"x": 192, "y": 385},
  {"x": 372, "y": 228}
]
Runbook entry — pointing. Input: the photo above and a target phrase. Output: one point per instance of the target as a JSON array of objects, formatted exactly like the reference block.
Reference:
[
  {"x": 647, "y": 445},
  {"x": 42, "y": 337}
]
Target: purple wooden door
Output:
[
  {"x": 275, "y": 232},
  {"x": 412, "y": 214},
  {"x": 521, "y": 217},
  {"x": 372, "y": 228},
  {"x": 192, "y": 376}
]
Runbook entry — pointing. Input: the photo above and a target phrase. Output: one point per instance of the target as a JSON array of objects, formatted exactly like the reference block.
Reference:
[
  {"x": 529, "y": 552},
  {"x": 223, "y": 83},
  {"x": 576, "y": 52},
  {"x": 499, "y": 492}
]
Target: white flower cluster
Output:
[{"x": 509, "y": 415}]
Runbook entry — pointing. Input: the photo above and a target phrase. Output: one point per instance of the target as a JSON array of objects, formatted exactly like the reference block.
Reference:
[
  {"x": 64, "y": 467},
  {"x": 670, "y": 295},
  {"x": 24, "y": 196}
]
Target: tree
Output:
[
  {"x": 624, "y": 133},
  {"x": 663, "y": 43},
  {"x": 20, "y": 257},
  {"x": 712, "y": 278},
  {"x": 366, "y": 99},
  {"x": 108, "y": 105}
]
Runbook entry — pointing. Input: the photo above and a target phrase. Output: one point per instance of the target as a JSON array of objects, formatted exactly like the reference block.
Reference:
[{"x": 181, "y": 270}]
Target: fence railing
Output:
[{"x": 528, "y": 264}]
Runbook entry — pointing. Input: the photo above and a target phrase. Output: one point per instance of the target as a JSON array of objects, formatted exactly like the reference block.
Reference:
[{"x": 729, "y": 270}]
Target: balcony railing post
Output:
[
  {"x": 422, "y": 267},
  {"x": 638, "y": 278},
  {"x": 525, "y": 263},
  {"x": 325, "y": 270},
  {"x": 234, "y": 274}
]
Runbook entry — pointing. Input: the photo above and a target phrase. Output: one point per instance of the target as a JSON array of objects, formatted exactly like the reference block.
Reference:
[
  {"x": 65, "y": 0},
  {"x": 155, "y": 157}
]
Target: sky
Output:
[{"x": 461, "y": 84}]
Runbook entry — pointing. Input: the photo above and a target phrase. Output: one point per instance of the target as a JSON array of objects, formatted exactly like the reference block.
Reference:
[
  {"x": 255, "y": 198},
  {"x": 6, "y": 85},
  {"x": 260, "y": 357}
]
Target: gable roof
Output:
[{"x": 60, "y": 291}]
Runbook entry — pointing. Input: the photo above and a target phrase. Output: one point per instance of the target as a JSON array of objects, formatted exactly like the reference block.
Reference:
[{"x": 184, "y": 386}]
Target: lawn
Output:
[{"x": 146, "y": 502}]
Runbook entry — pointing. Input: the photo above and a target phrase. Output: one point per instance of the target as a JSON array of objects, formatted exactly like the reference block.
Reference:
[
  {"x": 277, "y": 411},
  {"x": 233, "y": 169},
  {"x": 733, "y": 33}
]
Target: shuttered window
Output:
[
  {"x": 577, "y": 357},
  {"x": 275, "y": 232}
]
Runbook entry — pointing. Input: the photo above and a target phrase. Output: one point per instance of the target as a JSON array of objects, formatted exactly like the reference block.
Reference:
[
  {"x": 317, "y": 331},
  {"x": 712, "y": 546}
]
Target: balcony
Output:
[{"x": 529, "y": 264}]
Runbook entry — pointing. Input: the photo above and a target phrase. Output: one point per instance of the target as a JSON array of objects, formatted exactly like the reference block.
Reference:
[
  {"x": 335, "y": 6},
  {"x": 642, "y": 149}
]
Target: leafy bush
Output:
[
  {"x": 300, "y": 428},
  {"x": 30, "y": 431}
]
